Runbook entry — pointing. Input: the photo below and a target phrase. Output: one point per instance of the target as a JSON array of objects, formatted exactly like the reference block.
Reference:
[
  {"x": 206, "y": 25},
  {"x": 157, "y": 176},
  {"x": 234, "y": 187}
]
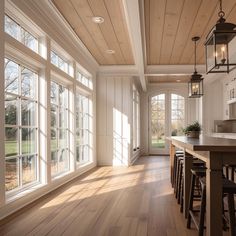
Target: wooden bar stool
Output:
[
  {"x": 229, "y": 189},
  {"x": 197, "y": 172},
  {"x": 179, "y": 170},
  {"x": 196, "y": 164},
  {"x": 178, "y": 154}
]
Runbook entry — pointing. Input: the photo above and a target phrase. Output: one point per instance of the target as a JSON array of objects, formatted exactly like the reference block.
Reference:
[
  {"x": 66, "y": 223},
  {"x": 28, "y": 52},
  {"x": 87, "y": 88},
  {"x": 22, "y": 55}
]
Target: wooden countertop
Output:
[{"x": 205, "y": 143}]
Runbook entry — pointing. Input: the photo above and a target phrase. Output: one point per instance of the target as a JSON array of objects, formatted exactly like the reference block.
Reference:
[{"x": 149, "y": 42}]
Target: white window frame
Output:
[
  {"x": 23, "y": 29},
  {"x": 88, "y": 95},
  {"x": 86, "y": 75},
  {"x": 18, "y": 190},
  {"x": 136, "y": 118},
  {"x": 59, "y": 81}
]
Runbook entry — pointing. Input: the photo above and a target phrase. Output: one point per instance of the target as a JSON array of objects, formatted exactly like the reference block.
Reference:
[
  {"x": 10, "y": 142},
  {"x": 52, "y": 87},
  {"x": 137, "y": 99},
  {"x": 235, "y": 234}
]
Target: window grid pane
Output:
[
  {"x": 59, "y": 129},
  {"x": 20, "y": 34},
  {"x": 57, "y": 61},
  {"x": 20, "y": 126},
  {"x": 85, "y": 80},
  {"x": 83, "y": 132}
]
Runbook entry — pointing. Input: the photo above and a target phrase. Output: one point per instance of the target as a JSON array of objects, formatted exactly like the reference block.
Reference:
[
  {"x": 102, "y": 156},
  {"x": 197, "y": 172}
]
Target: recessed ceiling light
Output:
[
  {"x": 110, "y": 51},
  {"x": 98, "y": 19},
  {"x": 178, "y": 80}
]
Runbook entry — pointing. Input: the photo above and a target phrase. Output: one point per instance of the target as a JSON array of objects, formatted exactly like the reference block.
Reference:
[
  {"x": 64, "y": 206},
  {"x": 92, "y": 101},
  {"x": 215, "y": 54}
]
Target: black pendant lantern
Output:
[
  {"x": 195, "y": 85},
  {"x": 220, "y": 46}
]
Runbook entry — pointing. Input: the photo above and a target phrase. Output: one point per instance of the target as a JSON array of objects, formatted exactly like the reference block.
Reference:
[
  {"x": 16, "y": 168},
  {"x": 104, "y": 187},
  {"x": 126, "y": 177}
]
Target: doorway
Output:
[{"x": 166, "y": 118}]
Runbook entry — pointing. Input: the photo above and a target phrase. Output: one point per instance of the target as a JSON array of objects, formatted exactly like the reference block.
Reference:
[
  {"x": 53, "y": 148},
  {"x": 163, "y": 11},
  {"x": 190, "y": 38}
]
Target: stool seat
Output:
[
  {"x": 179, "y": 152},
  {"x": 200, "y": 172},
  {"x": 198, "y": 163},
  {"x": 228, "y": 186}
]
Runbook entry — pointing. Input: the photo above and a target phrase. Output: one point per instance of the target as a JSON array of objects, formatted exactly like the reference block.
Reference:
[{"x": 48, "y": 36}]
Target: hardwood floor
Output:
[{"x": 108, "y": 201}]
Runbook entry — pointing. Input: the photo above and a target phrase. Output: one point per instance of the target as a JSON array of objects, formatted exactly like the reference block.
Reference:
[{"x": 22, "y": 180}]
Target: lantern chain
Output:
[{"x": 221, "y": 13}]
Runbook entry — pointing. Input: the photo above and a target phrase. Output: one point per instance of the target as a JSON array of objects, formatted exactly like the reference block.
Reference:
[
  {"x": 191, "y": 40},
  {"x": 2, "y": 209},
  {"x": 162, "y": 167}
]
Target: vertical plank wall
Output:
[{"x": 114, "y": 120}]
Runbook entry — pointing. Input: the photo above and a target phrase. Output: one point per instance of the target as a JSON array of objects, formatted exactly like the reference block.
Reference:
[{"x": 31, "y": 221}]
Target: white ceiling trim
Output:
[
  {"x": 155, "y": 70},
  {"x": 121, "y": 70},
  {"x": 132, "y": 15}
]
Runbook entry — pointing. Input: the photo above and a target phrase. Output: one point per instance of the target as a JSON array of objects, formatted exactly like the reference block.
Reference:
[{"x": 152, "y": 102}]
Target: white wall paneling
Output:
[{"x": 114, "y": 99}]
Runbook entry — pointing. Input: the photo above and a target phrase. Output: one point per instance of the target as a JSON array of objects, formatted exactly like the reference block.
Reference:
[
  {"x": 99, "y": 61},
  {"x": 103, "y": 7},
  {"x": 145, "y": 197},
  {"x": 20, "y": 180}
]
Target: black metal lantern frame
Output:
[
  {"x": 195, "y": 85},
  {"x": 220, "y": 46}
]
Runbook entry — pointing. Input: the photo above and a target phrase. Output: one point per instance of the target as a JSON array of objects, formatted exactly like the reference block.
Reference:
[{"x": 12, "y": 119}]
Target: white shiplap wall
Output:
[{"x": 114, "y": 124}]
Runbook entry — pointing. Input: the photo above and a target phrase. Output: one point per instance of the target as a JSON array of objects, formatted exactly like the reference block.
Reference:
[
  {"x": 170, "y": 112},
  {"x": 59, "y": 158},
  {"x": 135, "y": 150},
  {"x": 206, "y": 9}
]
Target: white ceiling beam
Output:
[
  {"x": 133, "y": 22},
  {"x": 119, "y": 70},
  {"x": 154, "y": 70}
]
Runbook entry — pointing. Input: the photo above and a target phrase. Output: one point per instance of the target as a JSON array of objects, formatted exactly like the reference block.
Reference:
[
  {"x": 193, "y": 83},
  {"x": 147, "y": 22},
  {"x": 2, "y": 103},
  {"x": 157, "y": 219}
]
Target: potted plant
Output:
[{"x": 193, "y": 130}]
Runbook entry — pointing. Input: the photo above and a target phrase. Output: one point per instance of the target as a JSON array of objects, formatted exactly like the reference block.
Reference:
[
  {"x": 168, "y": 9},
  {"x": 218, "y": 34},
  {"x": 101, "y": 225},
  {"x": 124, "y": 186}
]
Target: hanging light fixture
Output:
[
  {"x": 220, "y": 46},
  {"x": 195, "y": 85}
]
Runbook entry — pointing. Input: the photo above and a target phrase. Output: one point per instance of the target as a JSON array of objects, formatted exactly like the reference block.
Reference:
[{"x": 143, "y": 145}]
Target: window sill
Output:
[
  {"x": 63, "y": 174},
  {"x": 11, "y": 198},
  {"x": 81, "y": 165}
]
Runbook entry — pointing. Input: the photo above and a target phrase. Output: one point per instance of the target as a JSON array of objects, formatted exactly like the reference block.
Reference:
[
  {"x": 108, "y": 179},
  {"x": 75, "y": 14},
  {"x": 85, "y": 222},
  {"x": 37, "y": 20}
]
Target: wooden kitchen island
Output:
[{"x": 215, "y": 152}]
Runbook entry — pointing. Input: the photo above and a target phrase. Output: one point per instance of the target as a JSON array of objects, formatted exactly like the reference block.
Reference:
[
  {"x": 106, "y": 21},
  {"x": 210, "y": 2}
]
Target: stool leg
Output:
[
  {"x": 174, "y": 171},
  {"x": 182, "y": 196},
  {"x": 177, "y": 178},
  {"x": 202, "y": 212},
  {"x": 180, "y": 180},
  {"x": 190, "y": 205},
  {"x": 227, "y": 172},
  {"x": 232, "y": 173},
  {"x": 230, "y": 198},
  {"x": 233, "y": 169}
]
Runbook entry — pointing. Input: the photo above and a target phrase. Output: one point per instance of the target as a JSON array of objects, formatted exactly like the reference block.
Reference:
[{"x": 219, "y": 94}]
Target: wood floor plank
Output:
[{"x": 109, "y": 201}]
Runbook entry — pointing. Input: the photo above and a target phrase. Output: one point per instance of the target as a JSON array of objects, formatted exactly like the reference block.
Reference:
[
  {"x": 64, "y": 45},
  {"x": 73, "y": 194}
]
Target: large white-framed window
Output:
[
  {"x": 136, "y": 119},
  {"x": 21, "y": 126},
  {"x": 16, "y": 31},
  {"x": 84, "y": 128},
  {"x": 60, "y": 161},
  {"x": 40, "y": 111}
]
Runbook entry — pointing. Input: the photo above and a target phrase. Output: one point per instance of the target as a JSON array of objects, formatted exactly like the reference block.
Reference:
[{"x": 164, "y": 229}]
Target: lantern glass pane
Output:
[
  {"x": 195, "y": 88},
  {"x": 210, "y": 51},
  {"x": 221, "y": 54},
  {"x": 232, "y": 53}
]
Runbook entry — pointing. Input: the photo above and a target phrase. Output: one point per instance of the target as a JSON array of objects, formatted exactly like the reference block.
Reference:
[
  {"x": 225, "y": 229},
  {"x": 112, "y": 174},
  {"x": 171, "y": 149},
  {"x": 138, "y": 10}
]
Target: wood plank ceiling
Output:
[
  {"x": 98, "y": 38},
  {"x": 170, "y": 25}
]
